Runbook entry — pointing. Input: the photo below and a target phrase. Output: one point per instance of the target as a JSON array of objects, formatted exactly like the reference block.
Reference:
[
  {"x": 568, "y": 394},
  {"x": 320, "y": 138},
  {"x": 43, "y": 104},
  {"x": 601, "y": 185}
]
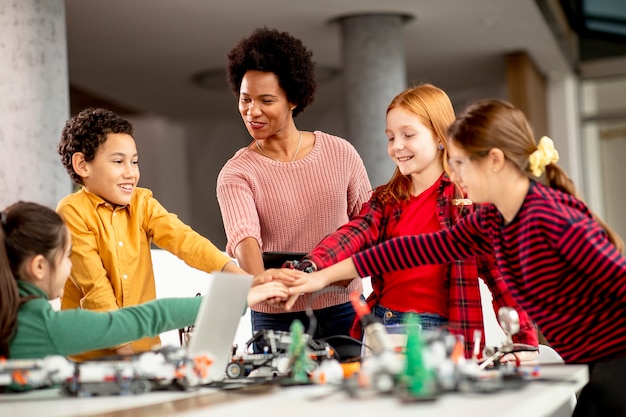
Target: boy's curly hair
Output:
[
  {"x": 270, "y": 50},
  {"x": 85, "y": 132}
]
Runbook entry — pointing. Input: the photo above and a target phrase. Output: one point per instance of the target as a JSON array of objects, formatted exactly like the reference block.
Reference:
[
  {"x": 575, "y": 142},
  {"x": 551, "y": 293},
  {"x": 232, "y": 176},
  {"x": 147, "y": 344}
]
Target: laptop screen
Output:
[{"x": 221, "y": 309}]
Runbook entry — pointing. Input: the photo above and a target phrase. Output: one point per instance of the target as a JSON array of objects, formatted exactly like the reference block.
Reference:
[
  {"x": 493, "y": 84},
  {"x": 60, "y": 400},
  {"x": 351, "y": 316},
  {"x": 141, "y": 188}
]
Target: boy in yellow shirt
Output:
[{"x": 113, "y": 223}]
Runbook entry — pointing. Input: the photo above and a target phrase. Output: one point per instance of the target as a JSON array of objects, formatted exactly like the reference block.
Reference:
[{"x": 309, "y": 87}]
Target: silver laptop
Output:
[{"x": 221, "y": 309}]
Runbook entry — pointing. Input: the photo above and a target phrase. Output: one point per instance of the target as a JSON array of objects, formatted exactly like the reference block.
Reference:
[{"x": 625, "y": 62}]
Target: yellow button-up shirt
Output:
[{"x": 112, "y": 264}]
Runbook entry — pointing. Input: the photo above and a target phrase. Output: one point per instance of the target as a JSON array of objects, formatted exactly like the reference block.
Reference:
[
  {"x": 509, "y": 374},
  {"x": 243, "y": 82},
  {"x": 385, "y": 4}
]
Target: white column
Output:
[
  {"x": 34, "y": 101},
  {"x": 564, "y": 125},
  {"x": 374, "y": 73},
  {"x": 591, "y": 147}
]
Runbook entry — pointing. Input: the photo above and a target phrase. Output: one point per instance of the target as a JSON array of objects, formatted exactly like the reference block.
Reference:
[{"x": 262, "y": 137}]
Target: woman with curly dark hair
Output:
[{"x": 289, "y": 188}]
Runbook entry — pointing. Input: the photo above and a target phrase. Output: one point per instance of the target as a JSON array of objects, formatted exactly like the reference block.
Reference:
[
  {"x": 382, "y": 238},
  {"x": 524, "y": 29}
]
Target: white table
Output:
[{"x": 538, "y": 398}]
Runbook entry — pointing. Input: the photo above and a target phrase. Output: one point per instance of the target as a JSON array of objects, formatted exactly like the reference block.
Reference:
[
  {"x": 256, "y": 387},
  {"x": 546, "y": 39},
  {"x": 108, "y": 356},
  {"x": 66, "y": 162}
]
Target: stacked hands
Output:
[{"x": 282, "y": 287}]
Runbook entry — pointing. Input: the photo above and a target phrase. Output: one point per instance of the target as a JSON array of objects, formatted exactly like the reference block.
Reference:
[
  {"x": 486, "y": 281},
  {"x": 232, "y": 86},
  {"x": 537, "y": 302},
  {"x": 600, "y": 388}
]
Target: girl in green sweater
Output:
[{"x": 35, "y": 248}]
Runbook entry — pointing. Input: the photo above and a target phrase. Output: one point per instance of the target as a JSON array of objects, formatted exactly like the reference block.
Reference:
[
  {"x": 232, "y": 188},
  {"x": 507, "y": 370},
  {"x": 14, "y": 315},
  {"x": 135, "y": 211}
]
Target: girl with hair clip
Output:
[
  {"x": 420, "y": 198},
  {"x": 35, "y": 248},
  {"x": 561, "y": 263}
]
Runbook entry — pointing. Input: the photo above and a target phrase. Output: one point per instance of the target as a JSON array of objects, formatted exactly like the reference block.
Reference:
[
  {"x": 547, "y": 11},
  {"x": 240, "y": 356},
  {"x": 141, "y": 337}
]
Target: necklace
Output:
[{"x": 274, "y": 159}]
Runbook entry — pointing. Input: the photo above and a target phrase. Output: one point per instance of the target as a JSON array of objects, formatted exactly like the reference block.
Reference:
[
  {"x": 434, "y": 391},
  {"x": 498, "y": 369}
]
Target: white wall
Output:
[
  {"x": 162, "y": 148},
  {"x": 604, "y": 143}
]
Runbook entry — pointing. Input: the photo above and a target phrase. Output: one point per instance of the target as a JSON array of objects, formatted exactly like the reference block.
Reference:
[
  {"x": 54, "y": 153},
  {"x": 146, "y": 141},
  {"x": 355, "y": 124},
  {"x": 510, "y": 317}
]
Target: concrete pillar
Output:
[
  {"x": 564, "y": 125},
  {"x": 34, "y": 101},
  {"x": 374, "y": 67}
]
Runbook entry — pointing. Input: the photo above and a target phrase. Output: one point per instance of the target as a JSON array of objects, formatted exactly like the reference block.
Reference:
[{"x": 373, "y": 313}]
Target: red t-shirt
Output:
[{"x": 422, "y": 289}]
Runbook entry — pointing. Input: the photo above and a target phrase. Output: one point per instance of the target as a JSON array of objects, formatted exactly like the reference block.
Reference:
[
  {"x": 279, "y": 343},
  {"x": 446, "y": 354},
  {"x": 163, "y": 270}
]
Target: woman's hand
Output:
[{"x": 283, "y": 275}]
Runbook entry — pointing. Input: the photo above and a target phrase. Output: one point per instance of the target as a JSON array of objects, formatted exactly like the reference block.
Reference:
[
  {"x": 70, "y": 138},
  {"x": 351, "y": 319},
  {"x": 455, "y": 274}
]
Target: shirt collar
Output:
[
  {"x": 26, "y": 288},
  {"x": 97, "y": 201}
]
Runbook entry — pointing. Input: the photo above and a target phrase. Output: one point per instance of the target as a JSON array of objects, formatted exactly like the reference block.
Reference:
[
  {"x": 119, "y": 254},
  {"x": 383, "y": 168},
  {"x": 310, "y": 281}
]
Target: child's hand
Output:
[
  {"x": 306, "y": 283},
  {"x": 315, "y": 281},
  {"x": 288, "y": 305},
  {"x": 273, "y": 292}
]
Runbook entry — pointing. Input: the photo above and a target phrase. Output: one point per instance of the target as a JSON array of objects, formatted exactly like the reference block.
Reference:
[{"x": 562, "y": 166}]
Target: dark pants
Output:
[
  {"x": 331, "y": 321},
  {"x": 604, "y": 393}
]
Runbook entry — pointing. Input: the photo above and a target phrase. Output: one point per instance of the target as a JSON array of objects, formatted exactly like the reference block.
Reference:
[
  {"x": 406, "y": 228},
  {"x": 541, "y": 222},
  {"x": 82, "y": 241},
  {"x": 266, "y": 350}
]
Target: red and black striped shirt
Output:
[{"x": 555, "y": 259}]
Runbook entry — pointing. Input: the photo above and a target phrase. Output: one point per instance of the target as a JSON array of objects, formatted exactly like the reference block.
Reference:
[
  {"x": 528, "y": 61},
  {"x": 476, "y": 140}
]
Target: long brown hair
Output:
[
  {"x": 432, "y": 106},
  {"x": 26, "y": 230},
  {"x": 498, "y": 124}
]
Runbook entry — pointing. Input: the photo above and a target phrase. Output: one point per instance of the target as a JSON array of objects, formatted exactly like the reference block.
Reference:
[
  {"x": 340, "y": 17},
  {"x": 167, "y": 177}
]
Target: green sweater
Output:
[{"x": 43, "y": 331}]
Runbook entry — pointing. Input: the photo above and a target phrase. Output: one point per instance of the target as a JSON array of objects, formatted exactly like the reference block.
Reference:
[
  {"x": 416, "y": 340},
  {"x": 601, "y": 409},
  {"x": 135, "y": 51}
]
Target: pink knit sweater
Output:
[{"x": 292, "y": 206}]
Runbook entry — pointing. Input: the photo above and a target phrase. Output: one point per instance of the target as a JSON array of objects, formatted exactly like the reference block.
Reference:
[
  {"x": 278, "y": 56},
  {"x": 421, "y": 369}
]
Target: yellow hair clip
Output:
[
  {"x": 545, "y": 154},
  {"x": 461, "y": 202}
]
